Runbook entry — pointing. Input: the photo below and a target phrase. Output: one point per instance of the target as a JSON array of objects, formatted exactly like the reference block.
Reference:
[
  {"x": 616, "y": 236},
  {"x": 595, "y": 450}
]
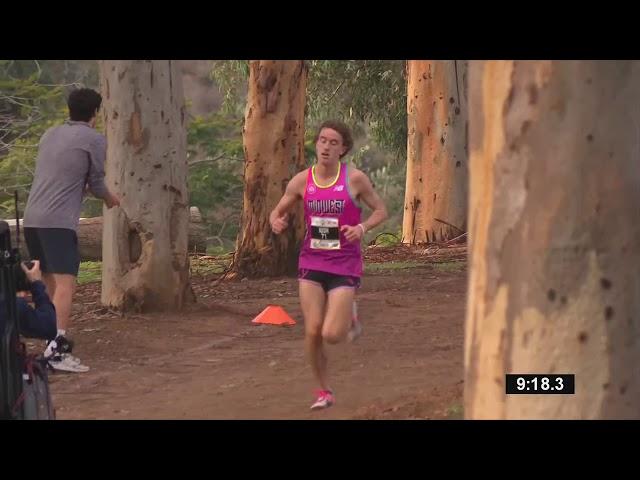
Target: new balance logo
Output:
[{"x": 338, "y": 188}]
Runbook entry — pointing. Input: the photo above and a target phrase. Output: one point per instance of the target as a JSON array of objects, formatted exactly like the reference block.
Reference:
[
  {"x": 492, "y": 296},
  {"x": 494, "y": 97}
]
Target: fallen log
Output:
[{"x": 90, "y": 238}]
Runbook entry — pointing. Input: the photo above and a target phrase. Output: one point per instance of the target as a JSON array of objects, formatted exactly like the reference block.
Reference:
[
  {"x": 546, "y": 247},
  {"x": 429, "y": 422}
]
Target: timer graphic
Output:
[{"x": 540, "y": 384}]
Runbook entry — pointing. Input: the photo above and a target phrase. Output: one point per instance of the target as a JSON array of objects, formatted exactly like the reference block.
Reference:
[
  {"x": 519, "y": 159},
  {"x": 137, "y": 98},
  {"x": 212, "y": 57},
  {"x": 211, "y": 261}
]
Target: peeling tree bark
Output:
[
  {"x": 273, "y": 138},
  {"x": 145, "y": 260},
  {"x": 555, "y": 237},
  {"x": 437, "y": 172}
]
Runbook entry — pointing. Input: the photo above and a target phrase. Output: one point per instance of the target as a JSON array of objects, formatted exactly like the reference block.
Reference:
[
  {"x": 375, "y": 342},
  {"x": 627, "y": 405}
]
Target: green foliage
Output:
[
  {"x": 27, "y": 109},
  {"x": 450, "y": 266},
  {"x": 391, "y": 266},
  {"x": 216, "y": 250},
  {"x": 388, "y": 178},
  {"x": 368, "y": 95},
  {"x": 217, "y": 134},
  {"x": 33, "y": 99},
  {"x": 215, "y": 154},
  {"x": 231, "y": 76},
  {"x": 388, "y": 239},
  {"x": 89, "y": 272}
]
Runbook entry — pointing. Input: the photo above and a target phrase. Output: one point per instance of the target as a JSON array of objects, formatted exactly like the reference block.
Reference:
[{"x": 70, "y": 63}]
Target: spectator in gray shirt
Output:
[{"x": 70, "y": 161}]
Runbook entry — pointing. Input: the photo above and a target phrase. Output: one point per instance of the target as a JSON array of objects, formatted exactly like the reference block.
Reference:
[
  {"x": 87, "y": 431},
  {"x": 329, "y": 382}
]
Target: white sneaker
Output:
[
  {"x": 58, "y": 353},
  {"x": 67, "y": 363}
]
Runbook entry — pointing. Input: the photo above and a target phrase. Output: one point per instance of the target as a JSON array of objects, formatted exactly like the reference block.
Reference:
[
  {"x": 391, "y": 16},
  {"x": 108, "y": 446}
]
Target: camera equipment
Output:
[{"x": 24, "y": 386}]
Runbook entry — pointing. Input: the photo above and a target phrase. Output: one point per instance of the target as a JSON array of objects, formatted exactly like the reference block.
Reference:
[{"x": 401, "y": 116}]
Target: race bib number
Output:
[{"x": 325, "y": 233}]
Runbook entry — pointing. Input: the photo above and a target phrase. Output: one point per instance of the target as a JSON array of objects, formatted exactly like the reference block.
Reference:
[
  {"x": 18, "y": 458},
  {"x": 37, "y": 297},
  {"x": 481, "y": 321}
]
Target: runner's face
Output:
[{"x": 329, "y": 147}]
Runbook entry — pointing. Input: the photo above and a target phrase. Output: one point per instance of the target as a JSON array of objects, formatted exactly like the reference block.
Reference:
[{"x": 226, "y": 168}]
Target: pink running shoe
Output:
[{"x": 325, "y": 400}]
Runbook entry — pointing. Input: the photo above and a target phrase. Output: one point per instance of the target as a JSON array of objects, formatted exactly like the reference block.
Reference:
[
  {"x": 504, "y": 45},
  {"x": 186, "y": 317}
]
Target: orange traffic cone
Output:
[{"x": 274, "y": 315}]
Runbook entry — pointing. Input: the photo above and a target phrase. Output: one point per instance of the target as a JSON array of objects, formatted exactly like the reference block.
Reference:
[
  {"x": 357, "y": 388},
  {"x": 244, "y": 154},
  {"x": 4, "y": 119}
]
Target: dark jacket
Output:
[{"x": 38, "y": 322}]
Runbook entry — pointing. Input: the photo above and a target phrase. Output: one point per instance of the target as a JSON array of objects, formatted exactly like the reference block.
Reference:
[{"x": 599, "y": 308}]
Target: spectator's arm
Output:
[
  {"x": 38, "y": 322},
  {"x": 97, "y": 156}
]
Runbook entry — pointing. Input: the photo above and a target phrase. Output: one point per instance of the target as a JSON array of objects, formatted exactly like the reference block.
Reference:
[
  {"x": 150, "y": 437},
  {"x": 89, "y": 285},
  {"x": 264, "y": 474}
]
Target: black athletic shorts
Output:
[
  {"x": 328, "y": 281},
  {"x": 56, "y": 248}
]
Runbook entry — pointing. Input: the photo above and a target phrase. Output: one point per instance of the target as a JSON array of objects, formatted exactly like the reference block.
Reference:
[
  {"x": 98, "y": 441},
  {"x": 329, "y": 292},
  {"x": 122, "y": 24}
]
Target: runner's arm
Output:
[
  {"x": 370, "y": 198},
  {"x": 292, "y": 194}
]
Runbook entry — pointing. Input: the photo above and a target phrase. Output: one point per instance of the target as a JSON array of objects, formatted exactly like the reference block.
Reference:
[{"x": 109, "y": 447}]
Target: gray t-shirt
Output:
[{"x": 69, "y": 157}]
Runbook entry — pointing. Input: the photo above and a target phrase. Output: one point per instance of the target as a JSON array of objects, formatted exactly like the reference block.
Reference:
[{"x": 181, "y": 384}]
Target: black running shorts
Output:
[
  {"x": 328, "y": 281},
  {"x": 56, "y": 248}
]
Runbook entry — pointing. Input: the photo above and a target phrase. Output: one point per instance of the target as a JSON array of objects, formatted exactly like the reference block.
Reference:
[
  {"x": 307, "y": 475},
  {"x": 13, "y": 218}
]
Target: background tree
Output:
[
  {"x": 145, "y": 260},
  {"x": 435, "y": 206},
  {"x": 273, "y": 137}
]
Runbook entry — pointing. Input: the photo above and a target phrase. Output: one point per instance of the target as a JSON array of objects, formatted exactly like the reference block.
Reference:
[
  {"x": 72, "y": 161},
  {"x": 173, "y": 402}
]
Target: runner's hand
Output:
[
  {"x": 353, "y": 233},
  {"x": 279, "y": 224}
]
